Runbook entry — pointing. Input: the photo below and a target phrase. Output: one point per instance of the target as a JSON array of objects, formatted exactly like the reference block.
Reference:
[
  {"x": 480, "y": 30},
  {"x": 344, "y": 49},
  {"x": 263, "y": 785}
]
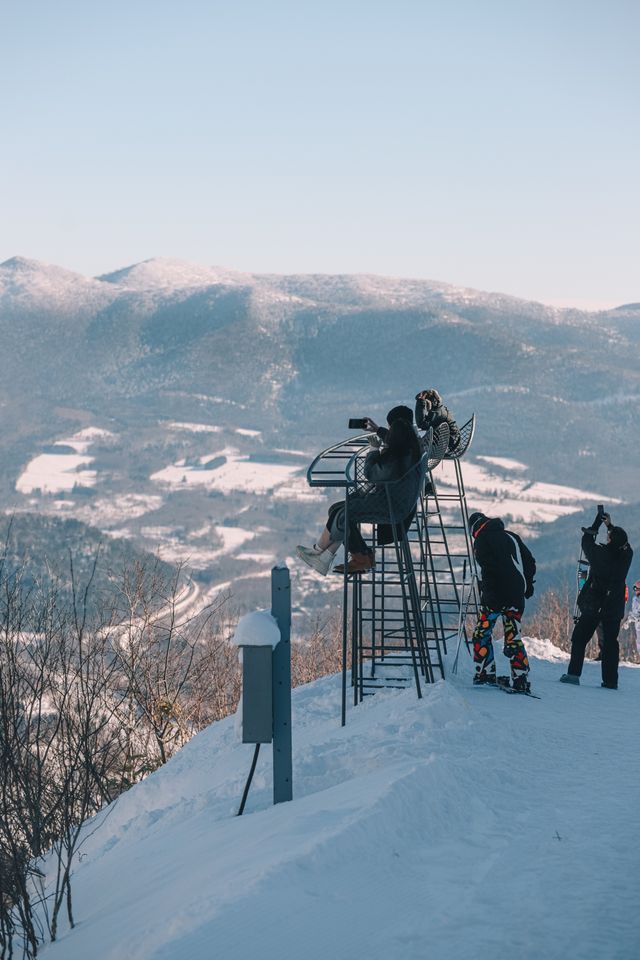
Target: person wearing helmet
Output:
[
  {"x": 506, "y": 570},
  {"x": 601, "y": 600},
  {"x": 633, "y": 617}
]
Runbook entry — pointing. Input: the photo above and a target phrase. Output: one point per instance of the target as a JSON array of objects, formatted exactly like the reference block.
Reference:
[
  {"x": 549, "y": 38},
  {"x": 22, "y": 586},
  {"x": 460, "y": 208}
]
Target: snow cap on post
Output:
[{"x": 257, "y": 629}]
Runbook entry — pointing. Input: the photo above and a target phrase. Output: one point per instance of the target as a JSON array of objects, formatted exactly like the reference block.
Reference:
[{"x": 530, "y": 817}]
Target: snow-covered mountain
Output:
[
  {"x": 464, "y": 826},
  {"x": 217, "y": 387}
]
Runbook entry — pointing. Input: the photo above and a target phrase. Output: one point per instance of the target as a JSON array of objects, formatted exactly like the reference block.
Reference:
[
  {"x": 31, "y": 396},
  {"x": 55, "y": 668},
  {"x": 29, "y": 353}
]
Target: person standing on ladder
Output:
[{"x": 506, "y": 569}]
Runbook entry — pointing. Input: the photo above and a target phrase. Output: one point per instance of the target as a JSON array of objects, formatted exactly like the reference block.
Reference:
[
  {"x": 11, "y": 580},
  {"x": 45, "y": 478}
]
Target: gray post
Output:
[{"x": 282, "y": 759}]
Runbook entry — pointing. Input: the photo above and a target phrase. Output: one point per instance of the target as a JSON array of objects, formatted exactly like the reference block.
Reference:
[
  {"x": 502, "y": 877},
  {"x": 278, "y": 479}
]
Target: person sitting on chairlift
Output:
[{"x": 431, "y": 412}]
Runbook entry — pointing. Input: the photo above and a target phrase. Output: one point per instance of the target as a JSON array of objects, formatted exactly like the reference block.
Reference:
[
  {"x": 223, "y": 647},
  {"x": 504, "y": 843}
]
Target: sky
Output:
[{"x": 492, "y": 144}]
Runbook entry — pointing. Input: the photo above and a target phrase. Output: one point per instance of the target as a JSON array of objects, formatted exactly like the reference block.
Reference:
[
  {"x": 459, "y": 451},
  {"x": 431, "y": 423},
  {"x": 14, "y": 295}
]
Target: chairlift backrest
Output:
[{"x": 467, "y": 431}]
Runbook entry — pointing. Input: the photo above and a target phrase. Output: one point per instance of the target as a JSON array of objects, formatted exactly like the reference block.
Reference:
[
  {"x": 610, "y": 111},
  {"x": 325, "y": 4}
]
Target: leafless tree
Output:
[{"x": 96, "y": 692}]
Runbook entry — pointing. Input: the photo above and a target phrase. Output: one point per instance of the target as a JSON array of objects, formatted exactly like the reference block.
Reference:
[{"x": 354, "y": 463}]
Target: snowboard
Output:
[{"x": 504, "y": 684}]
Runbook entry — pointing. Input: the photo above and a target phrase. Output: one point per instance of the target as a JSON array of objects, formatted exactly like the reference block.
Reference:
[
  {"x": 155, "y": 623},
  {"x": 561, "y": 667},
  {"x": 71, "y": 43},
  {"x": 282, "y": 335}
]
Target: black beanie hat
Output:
[
  {"x": 476, "y": 520},
  {"x": 400, "y": 413},
  {"x": 618, "y": 537}
]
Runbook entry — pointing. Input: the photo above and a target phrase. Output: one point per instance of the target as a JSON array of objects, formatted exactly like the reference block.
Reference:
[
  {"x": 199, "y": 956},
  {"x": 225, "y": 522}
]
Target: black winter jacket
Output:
[
  {"x": 434, "y": 417},
  {"x": 382, "y": 465},
  {"x": 507, "y": 567},
  {"x": 604, "y": 590}
]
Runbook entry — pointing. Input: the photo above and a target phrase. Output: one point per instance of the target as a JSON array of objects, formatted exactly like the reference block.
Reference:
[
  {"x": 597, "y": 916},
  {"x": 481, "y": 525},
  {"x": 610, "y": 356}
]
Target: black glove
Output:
[{"x": 529, "y": 591}]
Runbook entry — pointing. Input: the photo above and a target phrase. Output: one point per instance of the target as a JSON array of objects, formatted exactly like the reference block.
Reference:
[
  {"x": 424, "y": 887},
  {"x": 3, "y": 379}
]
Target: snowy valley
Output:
[{"x": 177, "y": 406}]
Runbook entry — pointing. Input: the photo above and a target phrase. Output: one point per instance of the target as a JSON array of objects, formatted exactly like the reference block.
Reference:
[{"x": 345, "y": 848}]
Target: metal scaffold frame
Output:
[
  {"x": 442, "y": 520},
  {"x": 397, "y": 618}
]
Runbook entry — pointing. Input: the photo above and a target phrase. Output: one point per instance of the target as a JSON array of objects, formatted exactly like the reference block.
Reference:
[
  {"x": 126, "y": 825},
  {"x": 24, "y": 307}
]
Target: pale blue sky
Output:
[{"x": 492, "y": 144}]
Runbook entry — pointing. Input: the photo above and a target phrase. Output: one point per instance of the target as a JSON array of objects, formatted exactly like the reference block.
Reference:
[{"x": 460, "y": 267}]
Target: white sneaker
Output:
[{"x": 321, "y": 562}]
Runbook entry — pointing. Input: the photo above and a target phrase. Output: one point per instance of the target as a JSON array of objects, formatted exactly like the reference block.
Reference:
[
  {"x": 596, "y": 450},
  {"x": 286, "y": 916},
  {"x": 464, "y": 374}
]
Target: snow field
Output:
[
  {"x": 191, "y": 427},
  {"x": 172, "y": 548},
  {"x": 464, "y": 826},
  {"x": 238, "y": 473},
  {"x": 498, "y": 492},
  {"x": 506, "y": 463},
  {"x": 55, "y": 472},
  {"x": 107, "y": 511}
]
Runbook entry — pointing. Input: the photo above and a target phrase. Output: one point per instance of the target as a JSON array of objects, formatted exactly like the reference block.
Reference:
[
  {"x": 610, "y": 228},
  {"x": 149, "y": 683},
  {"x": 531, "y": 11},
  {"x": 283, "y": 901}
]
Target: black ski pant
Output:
[
  {"x": 582, "y": 633},
  {"x": 335, "y": 526}
]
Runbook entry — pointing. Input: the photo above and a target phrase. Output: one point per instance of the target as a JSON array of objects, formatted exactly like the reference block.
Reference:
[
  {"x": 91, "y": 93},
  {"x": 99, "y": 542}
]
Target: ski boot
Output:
[
  {"x": 482, "y": 677},
  {"x": 521, "y": 684}
]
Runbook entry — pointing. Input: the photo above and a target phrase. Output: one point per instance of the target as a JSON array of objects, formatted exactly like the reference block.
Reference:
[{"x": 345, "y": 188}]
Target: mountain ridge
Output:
[{"x": 185, "y": 274}]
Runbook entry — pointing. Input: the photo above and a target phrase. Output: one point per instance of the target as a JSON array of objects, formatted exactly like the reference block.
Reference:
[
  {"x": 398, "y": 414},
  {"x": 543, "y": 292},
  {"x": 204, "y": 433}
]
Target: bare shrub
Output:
[
  {"x": 216, "y": 681},
  {"x": 92, "y": 697},
  {"x": 553, "y": 621},
  {"x": 318, "y": 654}
]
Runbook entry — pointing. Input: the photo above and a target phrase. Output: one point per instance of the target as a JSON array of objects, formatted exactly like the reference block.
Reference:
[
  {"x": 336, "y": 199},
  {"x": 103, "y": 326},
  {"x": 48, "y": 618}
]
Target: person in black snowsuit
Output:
[
  {"x": 506, "y": 572},
  {"x": 431, "y": 412},
  {"x": 400, "y": 452},
  {"x": 601, "y": 600}
]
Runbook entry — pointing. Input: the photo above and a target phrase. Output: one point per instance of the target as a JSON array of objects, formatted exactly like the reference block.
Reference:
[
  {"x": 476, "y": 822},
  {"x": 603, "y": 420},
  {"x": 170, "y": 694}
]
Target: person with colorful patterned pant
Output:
[
  {"x": 513, "y": 648},
  {"x": 506, "y": 569}
]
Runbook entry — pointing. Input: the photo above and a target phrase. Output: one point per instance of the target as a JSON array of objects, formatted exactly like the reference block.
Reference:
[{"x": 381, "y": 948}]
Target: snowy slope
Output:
[{"x": 466, "y": 825}]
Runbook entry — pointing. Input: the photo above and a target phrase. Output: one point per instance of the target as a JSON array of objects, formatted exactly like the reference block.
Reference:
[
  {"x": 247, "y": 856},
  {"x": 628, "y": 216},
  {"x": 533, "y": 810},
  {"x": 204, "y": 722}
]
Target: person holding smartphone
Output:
[
  {"x": 400, "y": 451},
  {"x": 601, "y": 600},
  {"x": 396, "y": 413}
]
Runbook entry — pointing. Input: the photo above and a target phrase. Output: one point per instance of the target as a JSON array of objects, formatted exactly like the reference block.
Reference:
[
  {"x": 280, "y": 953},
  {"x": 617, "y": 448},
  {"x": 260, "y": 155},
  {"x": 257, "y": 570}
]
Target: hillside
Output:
[
  {"x": 466, "y": 825},
  {"x": 65, "y": 554},
  {"x": 178, "y": 405}
]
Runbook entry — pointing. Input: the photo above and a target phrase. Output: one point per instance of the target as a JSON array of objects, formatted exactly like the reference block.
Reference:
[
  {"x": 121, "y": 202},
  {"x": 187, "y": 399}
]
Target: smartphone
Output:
[{"x": 356, "y": 424}]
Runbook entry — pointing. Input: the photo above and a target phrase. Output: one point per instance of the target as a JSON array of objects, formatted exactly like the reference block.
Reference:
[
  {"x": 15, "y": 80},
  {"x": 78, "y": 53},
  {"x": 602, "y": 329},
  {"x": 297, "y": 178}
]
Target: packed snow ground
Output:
[{"x": 464, "y": 826}]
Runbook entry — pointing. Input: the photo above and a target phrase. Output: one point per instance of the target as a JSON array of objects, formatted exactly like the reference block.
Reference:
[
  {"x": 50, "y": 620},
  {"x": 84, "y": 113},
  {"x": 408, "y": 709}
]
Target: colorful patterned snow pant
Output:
[{"x": 513, "y": 646}]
